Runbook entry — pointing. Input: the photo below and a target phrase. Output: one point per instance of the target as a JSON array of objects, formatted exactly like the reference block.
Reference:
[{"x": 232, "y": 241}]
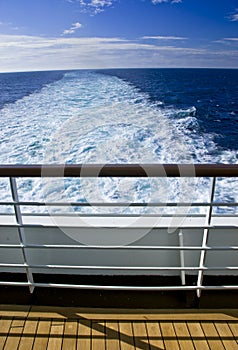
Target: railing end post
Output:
[{"x": 31, "y": 288}]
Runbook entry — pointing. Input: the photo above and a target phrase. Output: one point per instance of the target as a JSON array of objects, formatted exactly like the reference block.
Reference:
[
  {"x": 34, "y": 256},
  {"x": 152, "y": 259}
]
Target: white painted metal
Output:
[
  {"x": 137, "y": 268},
  {"x": 145, "y": 288},
  {"x": 205, "y": 236},
  {"x": 21, "y": 232},
  {"x": 189, "y": 231},
  {"x": 182, "y": 261},
  {"x": 141, "y": 247}
]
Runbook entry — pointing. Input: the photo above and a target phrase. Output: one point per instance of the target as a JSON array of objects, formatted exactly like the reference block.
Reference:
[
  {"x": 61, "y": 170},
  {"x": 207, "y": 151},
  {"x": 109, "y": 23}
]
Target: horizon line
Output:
[{"x": 111, "y": 68}]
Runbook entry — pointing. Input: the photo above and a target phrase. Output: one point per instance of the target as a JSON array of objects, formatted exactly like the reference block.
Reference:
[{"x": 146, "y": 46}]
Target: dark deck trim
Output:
[{"x": 120, "y": 170}]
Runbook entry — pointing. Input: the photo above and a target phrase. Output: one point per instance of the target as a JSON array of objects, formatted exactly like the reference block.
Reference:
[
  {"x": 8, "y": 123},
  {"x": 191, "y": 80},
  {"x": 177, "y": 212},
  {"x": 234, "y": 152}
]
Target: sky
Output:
[{"x": 87, "y": 34}]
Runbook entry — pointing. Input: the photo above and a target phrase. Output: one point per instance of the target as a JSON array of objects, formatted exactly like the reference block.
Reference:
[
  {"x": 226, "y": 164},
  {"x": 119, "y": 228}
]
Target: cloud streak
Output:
[
  {"x": 161, "y": 1},
  {"x": 98, "y": 6},
  {"x": 234, "y": 16},
  {"x": 72, "y": 29},
  {"x": 158, "y": 37},
  {"x": 27, "y": 53},
  {"x": 231, "y": 39},
  {"x": 93, "y": 6},
  {"x": 226, "y": 41}
]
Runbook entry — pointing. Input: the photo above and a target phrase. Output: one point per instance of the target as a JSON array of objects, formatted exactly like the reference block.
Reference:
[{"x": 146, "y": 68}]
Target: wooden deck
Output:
[{"x": 53, "y": 328}]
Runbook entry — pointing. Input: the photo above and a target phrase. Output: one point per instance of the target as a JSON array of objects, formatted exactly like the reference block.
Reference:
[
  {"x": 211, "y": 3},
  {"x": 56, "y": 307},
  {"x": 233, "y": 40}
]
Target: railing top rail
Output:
[{"x": 120, "y": 170}]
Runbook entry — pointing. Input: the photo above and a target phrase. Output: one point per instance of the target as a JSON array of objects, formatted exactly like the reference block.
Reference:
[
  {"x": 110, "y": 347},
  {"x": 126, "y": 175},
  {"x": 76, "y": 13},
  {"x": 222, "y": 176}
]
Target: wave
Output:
[{"x": 89, "y": 117}]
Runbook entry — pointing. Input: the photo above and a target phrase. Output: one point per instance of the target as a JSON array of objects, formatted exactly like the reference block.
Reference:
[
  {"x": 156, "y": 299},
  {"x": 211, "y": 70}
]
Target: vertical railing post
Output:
[
  {"x": 182, "y": 260},
  {"x": 21, "y": 231},
  {"x": 205, "y": 236}
]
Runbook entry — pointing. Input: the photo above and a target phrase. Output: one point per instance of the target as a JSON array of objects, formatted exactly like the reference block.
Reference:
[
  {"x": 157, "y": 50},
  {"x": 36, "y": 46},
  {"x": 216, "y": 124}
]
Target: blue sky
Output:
[{"x": 72, "y": 34}]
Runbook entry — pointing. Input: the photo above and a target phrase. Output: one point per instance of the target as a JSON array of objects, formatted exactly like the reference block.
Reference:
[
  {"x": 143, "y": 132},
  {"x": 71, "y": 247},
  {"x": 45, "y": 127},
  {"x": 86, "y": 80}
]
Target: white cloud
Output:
[
  {"x": 164, "y": 37},
  {"x": 97, "y": 6},
  {"x": 231, "y": 39},
  {"x": 27, "y": 53},
  {"x": 8, "y": 25},
  {"x": 77, "y": 25},
  {"x": 171, "y": 1},
  {"x": 234, "y": 16},
  {"x": 94, "y": 6},
  {"x": 227, "y": 41},
  {"x": 73, "y": 28}
]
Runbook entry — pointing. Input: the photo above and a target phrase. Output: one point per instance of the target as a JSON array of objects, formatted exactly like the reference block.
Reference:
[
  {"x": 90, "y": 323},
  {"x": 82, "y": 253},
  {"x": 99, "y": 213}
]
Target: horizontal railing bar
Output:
[
  {"x": 115, "y": 215},
  {"x": 115, "y": 287},
  {"x": 124, "y": 226},
  {"x": 112, "y": 204},
  {"x": 120, "y": 170},
  {"x": 140, "y": 268},
  {"x": 68, "y": 246},
  {"x": 109, "y": 215}
]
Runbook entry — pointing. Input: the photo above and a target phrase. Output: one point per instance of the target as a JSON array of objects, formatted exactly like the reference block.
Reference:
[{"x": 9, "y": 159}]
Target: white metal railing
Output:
[{"x": 121, "y": 171}]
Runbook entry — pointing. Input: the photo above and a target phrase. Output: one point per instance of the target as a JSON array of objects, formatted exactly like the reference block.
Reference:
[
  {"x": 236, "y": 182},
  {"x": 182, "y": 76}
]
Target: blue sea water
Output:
[
  {"x": 118, "y": 116},
  {"x": 14, "y": 86},
  {"x": 212, "y": 92}
]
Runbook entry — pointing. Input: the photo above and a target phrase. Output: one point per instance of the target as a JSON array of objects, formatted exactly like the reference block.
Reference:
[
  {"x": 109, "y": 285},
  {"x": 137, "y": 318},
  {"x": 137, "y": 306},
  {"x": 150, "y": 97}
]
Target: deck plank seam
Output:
[
  {"x": 22, "y": 330},
  {"x": 161, "y": 332},
  {"x": 176, "y": 335},
  {"x": 147, "y": 333},
  {"x": 235, "y": 337},
  {"x": 223, "y": 338},
  {"x": 133, "y": 334},
  {"x": 7, "y": 334},
  {"x": 205, "y": 335},
  {"x": 190, "y": 335},
  {"x": 35, "y": 335}
]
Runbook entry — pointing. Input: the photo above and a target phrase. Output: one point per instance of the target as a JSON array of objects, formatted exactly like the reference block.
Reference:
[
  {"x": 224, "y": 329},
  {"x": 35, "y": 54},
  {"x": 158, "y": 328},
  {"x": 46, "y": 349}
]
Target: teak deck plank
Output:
[
  {"x": 42, "y": 335},
  {"x": 28, "y": 335},
  {"x": 155, "y": 336},
  {"x": 198, "y": 336},
  {"x": 14, "y": 334},
  {"x": 225, "y": 333},
  {"x": 14, "y": 310},
  {"x": 234, "y": 329},
  {"x": 84, "y": 335},
  {"x": 56, "y": 335},
  {"x": 170, "y": 339},
  {"x": 212, "y": 336},
  {"x": 161, "y": 314},
  {"x": 183, "y": 336},
  {"x": 4, "y": 329},
  {"x": 126, "y": 336},
  {"x": 70, "y": 335},
  {"x": 98, "y": 335},
  {"x": 127, "y": 314},
  {"x": 112, "y": 335},
  {"x": 76, "y": 329},
  {"x": 140, "y": 336}
]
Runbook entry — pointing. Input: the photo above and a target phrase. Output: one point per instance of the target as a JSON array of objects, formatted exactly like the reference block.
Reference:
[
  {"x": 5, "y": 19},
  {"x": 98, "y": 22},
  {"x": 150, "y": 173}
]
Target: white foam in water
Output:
[{"x": 93, "y": 118}]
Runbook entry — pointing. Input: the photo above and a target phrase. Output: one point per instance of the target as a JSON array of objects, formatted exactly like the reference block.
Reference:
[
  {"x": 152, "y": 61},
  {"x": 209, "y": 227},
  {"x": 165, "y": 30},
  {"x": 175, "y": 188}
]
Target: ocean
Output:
[{"x": 120, "y": 116}]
